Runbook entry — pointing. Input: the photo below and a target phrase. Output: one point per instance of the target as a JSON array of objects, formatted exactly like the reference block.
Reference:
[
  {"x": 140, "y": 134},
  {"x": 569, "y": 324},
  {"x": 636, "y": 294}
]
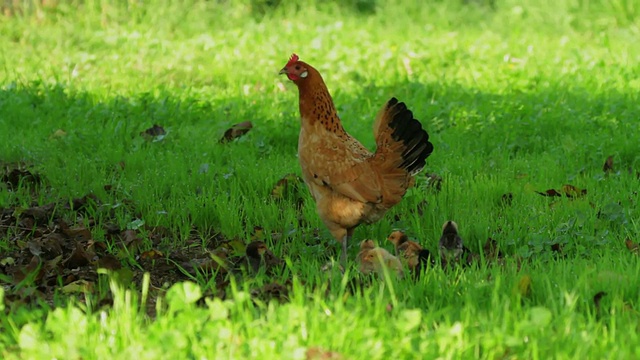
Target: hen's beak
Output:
[{"x": 283, "y": 71}]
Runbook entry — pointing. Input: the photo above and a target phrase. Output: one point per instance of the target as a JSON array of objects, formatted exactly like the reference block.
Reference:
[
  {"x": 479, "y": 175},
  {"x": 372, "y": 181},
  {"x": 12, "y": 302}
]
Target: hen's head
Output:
[{"x": 295, "y": 69}]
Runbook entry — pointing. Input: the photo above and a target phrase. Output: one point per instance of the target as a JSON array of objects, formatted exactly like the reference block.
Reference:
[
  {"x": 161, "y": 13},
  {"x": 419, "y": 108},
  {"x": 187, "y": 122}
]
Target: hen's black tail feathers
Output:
[{"x": 415, "y": 139}]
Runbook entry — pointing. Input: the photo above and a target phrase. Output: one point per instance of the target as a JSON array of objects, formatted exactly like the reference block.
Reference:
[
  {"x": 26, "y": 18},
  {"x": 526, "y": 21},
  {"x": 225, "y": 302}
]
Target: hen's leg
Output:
[
  {"x": 345, "y": 241},
  {"x": 343, "y": 257}
]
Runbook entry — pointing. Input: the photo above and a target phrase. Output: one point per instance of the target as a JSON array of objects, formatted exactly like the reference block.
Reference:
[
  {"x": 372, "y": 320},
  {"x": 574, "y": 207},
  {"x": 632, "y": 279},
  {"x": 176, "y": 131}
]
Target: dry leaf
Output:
[
  {"x": 318, "y": 353},
  {"x": 550, "y": 192},
  {"x": 40, "y": 214},
  {"x": 236, "y": 131},
  {"x": 34, "y": 269},
  {"x": 34, "y": 247},
  {"x": 287, "y": 187},
  {"x": 78, "y": 286},
  {"x": 93, "y": 246},
  {"x": 569, "y": 191},
  {"x": 434, "y": 181},
  {"x": 572, "y": 191},
  {"x": 109, "y": 262},
  {"x": 596, "y": 300},
  {"x": 58, "y": 134},
  {"x": 633, "y": 247},
  {"x": 8, "y": 261},
  {"x": 238, "y": 246},
  {"x": 131, "y": 240},
  {"x": 218, "y": 260},
  {"x": 506, "y": 199},
  {"x": 627, "y": 307},
  {"x": 85, "y": 202},
  {"x": 52, "y": 264},
  {"x": 78, "y": 258},
  {"x": 491, "y": 250},
  {"x": 524, "y": 286},
  {"x": 557, "y": 247},
  {"x": 608, "y": 165},
  {"x": 15, "y": 177},
  {"x": 151, "y": 254},
  {"x": 155, "y": 130},
  {"x": 258, "y": 233},
  {"x": 78, "y": 233},
  {"x": 272, "y": 291},
  {"x": 421, "y": 207}
]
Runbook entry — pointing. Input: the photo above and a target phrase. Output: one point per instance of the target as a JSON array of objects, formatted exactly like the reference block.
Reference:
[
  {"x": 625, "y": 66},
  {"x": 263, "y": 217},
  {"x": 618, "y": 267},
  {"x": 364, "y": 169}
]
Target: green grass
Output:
[{"x": 517, "y": 99}]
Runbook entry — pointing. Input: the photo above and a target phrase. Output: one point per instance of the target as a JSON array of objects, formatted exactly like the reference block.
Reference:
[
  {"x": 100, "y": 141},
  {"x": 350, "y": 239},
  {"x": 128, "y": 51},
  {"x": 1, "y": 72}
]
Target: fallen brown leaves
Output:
[
  {"x": 506, "y": 199},
  {"x": 155, "y": 133},
  {"x": 55, "y": 248},
  {"x": 289, "y": 189},
  {"x": 236, "y": 131},
  {"x": 491, "y": 250},
  {"x": 272, "y": 291},
  {"x": 596, "y": 300},
  {"x": 608, "y": 165},
  {"x": 434, "y": 181},
  {"x": 318, "y": 353},
  {"x": 609, "y": 168},
  {"x": 633, "y": 247},
  {"x": 60, "y": 246},
  {"x": 568, "y": 190},
  {"x": 14, "y": 175}
]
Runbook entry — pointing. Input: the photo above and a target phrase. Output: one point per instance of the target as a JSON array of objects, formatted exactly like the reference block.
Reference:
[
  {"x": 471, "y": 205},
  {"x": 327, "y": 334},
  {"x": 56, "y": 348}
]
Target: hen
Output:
[{"x": 350, "y": 184}]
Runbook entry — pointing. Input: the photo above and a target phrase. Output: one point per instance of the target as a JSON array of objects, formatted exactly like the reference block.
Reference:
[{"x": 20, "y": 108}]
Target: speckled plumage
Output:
[{"x": 350, "y": 184}]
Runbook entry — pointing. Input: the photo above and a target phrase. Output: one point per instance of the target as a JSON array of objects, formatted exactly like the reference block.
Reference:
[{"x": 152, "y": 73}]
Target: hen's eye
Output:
[{"x": 297, "y": 67}]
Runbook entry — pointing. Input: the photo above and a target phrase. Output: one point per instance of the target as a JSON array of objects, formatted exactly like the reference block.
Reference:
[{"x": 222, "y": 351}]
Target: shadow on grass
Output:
[
  {"x": 547, "y": 113},
  {"x": 461, "y": 121}
]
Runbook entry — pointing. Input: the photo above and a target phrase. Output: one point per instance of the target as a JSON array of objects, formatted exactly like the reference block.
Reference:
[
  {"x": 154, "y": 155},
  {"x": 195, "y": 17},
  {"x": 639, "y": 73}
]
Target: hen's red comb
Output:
[{"x": 293, "y": 59}]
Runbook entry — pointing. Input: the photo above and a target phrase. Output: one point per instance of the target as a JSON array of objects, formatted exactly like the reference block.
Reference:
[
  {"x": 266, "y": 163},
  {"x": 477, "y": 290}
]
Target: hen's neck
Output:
[{"x": 316, "y": 105}]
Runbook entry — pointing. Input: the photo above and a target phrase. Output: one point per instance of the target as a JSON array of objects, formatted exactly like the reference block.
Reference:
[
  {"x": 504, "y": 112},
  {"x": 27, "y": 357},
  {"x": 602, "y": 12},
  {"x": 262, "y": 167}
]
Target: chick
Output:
[
  {"x": 258, "y": 254},
  {"x": 399, "y": 239},
  {"x": 365, "y": 246},
  {"x": 375, "y": 259},
  {"x": 450, "y": 244},
  {"x": 411, "y": 252},
  {"x": 378, "y": 258},
  {"x": 418, "y": 260}
]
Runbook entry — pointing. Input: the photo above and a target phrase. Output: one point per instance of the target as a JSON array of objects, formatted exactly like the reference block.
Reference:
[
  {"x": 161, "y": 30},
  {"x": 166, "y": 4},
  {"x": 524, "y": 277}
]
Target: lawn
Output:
[{"x": 124, "y": 217}]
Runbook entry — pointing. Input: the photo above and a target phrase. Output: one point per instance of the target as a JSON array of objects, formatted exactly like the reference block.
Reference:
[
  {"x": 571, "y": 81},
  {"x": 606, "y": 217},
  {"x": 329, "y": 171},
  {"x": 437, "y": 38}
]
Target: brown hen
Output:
[{"x": 350, "y": 184}]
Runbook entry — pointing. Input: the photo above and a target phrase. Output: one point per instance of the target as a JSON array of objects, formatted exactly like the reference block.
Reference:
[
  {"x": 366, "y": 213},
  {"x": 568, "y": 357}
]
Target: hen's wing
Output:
[{"x": 341, "y": 163}]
